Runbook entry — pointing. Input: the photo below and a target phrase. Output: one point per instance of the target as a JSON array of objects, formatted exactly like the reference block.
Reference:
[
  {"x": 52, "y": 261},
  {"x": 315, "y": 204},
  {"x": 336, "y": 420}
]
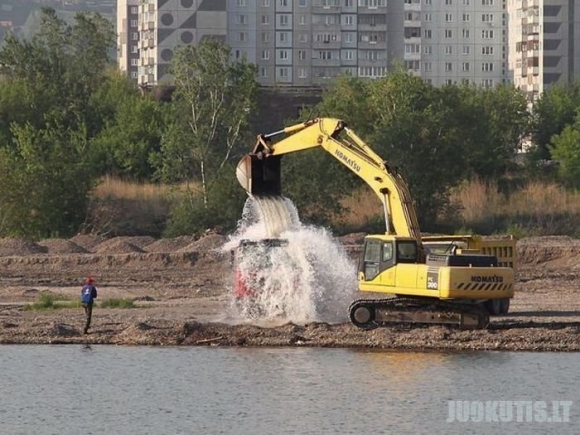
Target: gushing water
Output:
[{"x": 303, "y": 275}]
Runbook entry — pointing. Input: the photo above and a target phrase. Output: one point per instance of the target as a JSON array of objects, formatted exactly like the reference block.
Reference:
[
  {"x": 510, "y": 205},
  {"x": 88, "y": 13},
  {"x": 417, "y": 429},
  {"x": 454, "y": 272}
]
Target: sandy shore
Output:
[{"x": 181, "y": 298}]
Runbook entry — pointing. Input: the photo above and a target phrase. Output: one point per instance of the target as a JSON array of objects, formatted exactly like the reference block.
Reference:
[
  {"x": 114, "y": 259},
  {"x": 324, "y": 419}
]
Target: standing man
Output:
[{"x": 88, "y": 295}]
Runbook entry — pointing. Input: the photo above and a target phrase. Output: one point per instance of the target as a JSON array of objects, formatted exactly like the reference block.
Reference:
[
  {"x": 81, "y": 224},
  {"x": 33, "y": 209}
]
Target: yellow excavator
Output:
[{"x": 458, "y": 285}]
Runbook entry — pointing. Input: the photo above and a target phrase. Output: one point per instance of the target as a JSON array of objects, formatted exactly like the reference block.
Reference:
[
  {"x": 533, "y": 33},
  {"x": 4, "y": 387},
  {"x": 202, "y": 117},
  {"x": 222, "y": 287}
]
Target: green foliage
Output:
[
  {"x": 47, "y": 121},
  {"x": 132, "y": 130},
  {"x": 555, "y": 109},
  {"x": 222, "y": 211},
  {"x": 565, "y": 149},
  {"x": 44, "y": 183},
  {"x": 117, "y": 303},
  {"x": 213, "y": 98},
  {"x": 48, "y": 301}
]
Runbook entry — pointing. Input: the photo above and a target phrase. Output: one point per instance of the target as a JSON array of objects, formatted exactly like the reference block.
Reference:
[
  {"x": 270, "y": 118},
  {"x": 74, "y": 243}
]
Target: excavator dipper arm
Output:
[{"x": 259, "y": 171}]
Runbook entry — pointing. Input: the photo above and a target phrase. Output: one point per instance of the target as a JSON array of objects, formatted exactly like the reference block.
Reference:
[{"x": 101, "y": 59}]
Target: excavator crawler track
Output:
[{"x": 376, "y": 313}]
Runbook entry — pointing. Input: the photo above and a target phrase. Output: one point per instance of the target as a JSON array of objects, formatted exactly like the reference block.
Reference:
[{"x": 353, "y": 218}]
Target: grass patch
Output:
[
  {"x": 48, "y": 301},
  {"x": 118, "y": 303}
]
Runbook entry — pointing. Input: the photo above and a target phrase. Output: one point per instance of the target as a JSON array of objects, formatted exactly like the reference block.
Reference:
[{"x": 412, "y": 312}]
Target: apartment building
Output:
[
  {"x": 310, "y": 42},
  {"x": 464, "y": 41},
  {"x": 163, "y": 25},
  {"x": 542, "y": 45},
  {"x": 128, "y": 37}
]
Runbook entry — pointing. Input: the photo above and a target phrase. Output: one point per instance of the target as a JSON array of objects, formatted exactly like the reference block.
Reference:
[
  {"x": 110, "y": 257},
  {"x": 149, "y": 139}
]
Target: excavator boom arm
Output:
[{"x": 259, "y": 172}]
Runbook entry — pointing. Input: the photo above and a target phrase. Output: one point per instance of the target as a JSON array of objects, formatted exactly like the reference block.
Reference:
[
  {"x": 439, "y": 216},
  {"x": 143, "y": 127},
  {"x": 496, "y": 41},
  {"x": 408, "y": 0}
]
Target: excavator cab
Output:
[{"x": 260, "y": 175}]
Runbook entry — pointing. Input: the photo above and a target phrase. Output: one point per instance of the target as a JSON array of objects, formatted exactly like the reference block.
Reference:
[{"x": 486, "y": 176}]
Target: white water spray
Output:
[{"x": 309, "y": 278}]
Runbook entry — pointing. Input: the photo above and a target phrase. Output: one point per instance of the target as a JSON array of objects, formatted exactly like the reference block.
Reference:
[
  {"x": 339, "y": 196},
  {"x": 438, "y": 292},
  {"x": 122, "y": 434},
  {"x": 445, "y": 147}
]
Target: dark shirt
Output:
[{"x": 88, "y": 293}]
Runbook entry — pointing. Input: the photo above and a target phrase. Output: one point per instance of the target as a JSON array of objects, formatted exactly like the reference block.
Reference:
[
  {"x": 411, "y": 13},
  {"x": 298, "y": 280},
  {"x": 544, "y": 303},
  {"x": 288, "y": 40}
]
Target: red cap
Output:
[{"x": 89, "y": 280}]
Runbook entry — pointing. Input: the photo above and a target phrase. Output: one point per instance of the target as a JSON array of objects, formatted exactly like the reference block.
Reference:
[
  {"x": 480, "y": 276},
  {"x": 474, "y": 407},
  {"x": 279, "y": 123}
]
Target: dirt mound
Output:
[
  {"x": 206, "y": 243},
  {"x": 87, "y": 241},
  {"x": 139, "y": 241},
  {"x": 20, "y": 247},
  {"x": 170, "y": 245},
  {"x": 62, "y": 246},
  {"x": 117, "y": 245},
  {"x": 352, "y": 239},
  {"x": 546, "y": 241}
]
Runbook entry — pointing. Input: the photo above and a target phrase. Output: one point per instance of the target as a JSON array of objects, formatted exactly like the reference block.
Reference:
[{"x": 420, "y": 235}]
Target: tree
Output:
[
  {"x": 554, "y": 110},
  {"x": 213, "y": 98},
  {"x": 565, "y": 149},
  {"x": 44, "y": 182}
]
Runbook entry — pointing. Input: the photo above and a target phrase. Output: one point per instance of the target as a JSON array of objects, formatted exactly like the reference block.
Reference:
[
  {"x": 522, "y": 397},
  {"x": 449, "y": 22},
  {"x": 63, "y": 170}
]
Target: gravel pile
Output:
[
  {"x": 87, "y": 241},
  {"x": 62, "y": 246},
  {"x": 117, "y": 245},
  {"x": 206, "y": 243},
  {"x": 170, "y": 245},
  {"x": 20, "y": 247}
]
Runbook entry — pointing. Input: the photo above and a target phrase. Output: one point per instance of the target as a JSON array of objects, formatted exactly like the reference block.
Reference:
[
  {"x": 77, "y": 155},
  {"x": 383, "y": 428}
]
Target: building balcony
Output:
[
  {"x": 372, "y": 45},
  {"x": 326, "y": 45},
  {"x": 326, "y": 9},
  {"x": 372, "y": 27},
  {"x": 413, "y": 7},
  {"x": 412, "y": 56},
  {"x": 326, "y": 63},
  {"x": 412, "y": 23}
]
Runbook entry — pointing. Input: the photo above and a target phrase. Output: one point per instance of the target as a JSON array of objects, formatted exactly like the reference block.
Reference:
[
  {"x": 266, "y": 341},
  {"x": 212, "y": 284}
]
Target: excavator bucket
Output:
[{"x": 259, "y": 176}]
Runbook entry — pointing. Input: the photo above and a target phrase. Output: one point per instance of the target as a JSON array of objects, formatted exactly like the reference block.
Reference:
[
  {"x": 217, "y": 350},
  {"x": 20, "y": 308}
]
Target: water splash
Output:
[{"x": 309, "y": 278}]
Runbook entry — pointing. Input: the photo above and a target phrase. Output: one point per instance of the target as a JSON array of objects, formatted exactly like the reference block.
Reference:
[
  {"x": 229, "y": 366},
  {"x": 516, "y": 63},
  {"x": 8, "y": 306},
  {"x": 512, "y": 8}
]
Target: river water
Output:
[{"x": 71, "y": 389}]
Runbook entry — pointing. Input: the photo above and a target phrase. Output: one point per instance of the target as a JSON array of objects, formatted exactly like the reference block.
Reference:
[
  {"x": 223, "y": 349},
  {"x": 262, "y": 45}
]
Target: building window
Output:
[
  {"x": 241, "y": 2},
  {"x": 283, "y": 72},
  {"x": 448, "y": 33},
  {"x": 325, "y": 55},
  {"x": 466, "y": 49},
  {"x": 266, "y": 3},
  {"x": 134, "y": 62},
  {"x": 428, "y": 34},
  {"x": 466, "y": 33},
  {"x": 448, "y": 66},
  {"x": 301, "y": 54},
  {"x": 448, "y": 49},
  {"x": 242, "y": 37},
  {"x": 487, "y": 67},
  {"x": 133, "y": 74},
  {"x": 488, "y": 83},
  {"x": 135, "y": 36},
  {"x": 448, "y": 18},
  {"x": 263, "y": 72},
  {"x": 242, "y": 19},
  {"x": 348, "y": 55},
  {"x": 283, "y": 54},
  {"x": 348, "y": 20},
  {"x": 134, "y": 23},
  {"x": 449, "y": 82},
  {"x": 412, "y": 65},
  {"x": 265, "y": 55},
  {"x": 448, "y": 2},
  {"x": 284, "y": 20},
  {"x": 427, "y": 18},
  {"x": 283, "y": 37},
  {"x": 465, "y": 66},
  {"x": 134, "y": 10},
  {"x": 302, "y": 20},
  {"x": 428, "y": 49},
  {"x": 427, "y": 66},
  {"x": 466, "y": 18},
  {"x": 466, "y": 2},
  {"x": 487, "y": 2},
  {"x": 134, "y": 49},
  {"x": 412, "y": 48},
  {"x": 487, "y": 34},
  {"x": 265, "y": 37},
  {"x": 487, "y": 18},
  {"x": 302, "y": 73},
  {"x": 487, "y": 51},
  {"x": 265, "y": 20},
  {"x": 283, "y": 2}
]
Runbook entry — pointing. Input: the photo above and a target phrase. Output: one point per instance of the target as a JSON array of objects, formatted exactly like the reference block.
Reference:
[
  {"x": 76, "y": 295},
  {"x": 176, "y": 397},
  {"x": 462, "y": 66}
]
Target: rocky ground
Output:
[{"x": 181, "y": 291}]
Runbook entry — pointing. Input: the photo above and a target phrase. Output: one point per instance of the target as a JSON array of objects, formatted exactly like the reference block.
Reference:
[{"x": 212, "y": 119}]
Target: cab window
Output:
[{"x": 407, "y": 252}]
